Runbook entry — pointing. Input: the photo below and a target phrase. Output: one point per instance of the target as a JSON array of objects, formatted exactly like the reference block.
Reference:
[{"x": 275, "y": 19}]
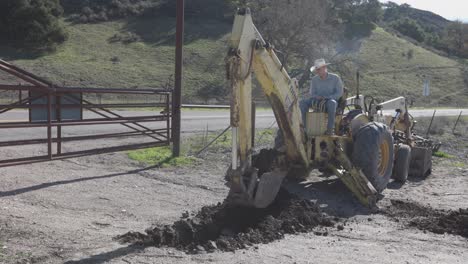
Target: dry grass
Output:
[
  {"x": 442, "y": 125},
  {"x": 92, "y": 57},
  {"x": 386, "y": 52}
]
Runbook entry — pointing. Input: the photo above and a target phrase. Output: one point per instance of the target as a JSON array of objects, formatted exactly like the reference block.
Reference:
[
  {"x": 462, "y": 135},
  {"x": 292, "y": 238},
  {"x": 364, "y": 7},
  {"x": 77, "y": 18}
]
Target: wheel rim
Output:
[{"x": 384, "y": 154}]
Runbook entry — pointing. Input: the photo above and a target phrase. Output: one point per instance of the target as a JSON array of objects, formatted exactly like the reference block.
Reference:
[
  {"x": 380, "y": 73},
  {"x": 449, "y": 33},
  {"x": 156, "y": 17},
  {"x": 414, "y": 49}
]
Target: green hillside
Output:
[
  {"x": 92, "y": 56},
  {"x": 392, "y": 67},
  {"x": 140, "y": 53}
]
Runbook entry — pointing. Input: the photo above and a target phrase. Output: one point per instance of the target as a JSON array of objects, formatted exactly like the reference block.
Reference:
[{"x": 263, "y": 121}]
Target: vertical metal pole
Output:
[
  {"x": 430, "y": 125},
  {"x": 234, "y": 148},
  {"x": 176, "y": 97},
  {"x": 49, "y": 125},
  {"x": 58, "y": 117},
  {"x": 168, "y": 121},
  {"x": 253, "y": 113},
  {"x": 358, "y": 78},
  {"x": 456, "y": 123}
]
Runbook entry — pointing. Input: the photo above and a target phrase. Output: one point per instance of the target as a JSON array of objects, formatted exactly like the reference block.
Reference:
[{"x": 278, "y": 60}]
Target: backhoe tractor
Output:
[{"x": 368, "y": 148}]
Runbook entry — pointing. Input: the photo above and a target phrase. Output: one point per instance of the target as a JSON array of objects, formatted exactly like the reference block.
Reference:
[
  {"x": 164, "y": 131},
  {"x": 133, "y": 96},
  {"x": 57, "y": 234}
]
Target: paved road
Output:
[
  {"x": 219, "y": 119},
  {"x": 192, "y": 121}
]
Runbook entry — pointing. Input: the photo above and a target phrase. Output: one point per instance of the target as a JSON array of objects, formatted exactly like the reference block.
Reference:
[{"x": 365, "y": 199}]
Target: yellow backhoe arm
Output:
[{"x": 249, "y": 52}]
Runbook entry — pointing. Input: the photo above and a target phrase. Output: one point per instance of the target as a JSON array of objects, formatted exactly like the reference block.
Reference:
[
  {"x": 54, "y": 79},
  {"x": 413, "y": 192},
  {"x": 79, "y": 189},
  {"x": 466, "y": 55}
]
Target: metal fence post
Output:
[
  {"x": 430, "y": 125},
  {"x": 58, "y": 114},
  {"x": 456, "y": 123},
  {"x": 176, "y": 97},
  {"x": 49, "y": 125}
]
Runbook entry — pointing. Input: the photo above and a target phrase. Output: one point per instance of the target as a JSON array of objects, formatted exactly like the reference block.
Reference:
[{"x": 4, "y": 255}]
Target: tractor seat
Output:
[{"x": 319, "y": 107}]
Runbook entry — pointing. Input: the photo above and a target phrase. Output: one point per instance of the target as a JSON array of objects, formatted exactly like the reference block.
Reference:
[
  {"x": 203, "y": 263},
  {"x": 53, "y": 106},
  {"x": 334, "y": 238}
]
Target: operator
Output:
[{"x": 325, "y": 88}]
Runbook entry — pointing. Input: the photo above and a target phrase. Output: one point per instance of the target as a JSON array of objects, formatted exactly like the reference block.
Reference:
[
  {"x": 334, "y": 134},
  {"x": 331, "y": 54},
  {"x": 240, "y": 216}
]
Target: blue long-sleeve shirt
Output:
[{"x": 330, "y": 88}]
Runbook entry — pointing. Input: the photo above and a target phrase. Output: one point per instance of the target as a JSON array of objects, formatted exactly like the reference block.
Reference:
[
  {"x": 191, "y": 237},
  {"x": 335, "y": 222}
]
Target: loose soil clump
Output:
[
  {"x": 229, "y": 228},
  {"x": 429, "y": 219}
]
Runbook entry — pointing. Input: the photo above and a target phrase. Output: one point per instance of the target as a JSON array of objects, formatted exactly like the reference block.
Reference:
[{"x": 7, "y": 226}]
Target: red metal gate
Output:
[{"x": 54, "y": 108}]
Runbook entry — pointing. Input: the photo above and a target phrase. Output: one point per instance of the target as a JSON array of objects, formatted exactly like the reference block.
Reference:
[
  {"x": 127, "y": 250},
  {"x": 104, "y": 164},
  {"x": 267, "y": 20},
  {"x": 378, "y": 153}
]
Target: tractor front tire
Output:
[
  {"x": 402, "y": 163},
  {"x": 373, "y": 153}
]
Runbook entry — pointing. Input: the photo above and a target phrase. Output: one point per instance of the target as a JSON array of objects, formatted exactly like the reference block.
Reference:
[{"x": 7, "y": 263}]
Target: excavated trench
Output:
[
  {"x": 429, "y": 219},
  {"x": 226, "y": 228}
]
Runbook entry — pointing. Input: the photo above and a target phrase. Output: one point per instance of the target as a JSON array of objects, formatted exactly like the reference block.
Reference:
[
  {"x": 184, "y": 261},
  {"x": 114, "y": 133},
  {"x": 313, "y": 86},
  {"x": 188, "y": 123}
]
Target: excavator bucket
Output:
[
  {"x": 268, "y": 187},
  {"x": 253, "y": 191}
]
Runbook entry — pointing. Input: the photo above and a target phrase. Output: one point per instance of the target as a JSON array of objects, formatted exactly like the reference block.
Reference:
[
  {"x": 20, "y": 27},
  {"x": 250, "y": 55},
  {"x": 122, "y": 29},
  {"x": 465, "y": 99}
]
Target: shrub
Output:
[
  {"x": 216, "y": 9},
  {"x": 359, "y": 16},
  {"x": 126, "y": 38},
  {"x": 91, "y": 11},
  {"x": 410, "y": 54},
  {"x": 212, "y": 90},
  {"x": 410, "y": 28},
  {"x": 31, "y": 23}
]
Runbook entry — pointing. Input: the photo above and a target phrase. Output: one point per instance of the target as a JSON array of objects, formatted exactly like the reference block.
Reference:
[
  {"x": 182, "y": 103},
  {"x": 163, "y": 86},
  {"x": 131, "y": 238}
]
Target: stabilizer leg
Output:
[{"x": 353, "y": 178}]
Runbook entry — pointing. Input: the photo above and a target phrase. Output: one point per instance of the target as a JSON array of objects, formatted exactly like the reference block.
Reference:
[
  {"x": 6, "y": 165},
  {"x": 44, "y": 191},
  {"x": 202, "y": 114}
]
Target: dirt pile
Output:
[
  {"x": 229, "y": 228},
  {"x": 429, "y": 219}
]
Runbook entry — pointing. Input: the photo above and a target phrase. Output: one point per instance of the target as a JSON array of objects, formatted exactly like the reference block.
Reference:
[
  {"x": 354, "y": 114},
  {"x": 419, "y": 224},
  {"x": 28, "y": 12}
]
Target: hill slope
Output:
[
  {"x": 427, "y": 19},
  {"x": 96, "y": 55},
  {"x": 392, "y": 67}
]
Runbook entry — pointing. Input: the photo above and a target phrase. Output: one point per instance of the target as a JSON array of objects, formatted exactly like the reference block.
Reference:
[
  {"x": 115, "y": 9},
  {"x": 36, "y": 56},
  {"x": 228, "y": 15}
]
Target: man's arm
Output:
[
  {"x": 338, "y": 91},
  {"x": 313, "y": 91}
]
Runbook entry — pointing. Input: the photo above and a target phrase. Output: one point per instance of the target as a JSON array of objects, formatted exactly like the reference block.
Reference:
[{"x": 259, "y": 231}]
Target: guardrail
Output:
[{"x": 205, "y": 106}]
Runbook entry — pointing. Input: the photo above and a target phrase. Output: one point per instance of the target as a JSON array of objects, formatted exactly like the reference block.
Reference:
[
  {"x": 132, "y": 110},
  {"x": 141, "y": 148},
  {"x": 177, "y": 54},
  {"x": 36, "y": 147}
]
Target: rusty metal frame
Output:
[{"x": 160, "y": 136}]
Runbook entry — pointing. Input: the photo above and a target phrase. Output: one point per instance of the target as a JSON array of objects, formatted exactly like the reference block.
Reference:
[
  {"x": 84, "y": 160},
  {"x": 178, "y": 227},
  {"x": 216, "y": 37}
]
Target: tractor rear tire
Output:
[
  {"x": 402, "y": 163},
  {"x": 373, "y": 153}
]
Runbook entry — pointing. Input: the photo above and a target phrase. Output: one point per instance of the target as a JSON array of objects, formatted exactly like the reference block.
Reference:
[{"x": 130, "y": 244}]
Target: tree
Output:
[
  {"x": 89, "y": 11},
  {"x": 456, "y": 36},
  {"x": 359, "y": 16},
  {"x": 300, "y": 30},
  {"x": 31, "y": 23},
  {"x": 215, "y": 9},
  {"x": 410, "y": 28},
  {"x": 212, "y": 90}
]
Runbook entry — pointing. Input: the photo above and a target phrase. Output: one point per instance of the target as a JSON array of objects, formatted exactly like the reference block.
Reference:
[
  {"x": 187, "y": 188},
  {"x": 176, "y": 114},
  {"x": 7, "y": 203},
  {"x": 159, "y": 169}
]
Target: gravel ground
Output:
[{"x": 71, "y": 211}]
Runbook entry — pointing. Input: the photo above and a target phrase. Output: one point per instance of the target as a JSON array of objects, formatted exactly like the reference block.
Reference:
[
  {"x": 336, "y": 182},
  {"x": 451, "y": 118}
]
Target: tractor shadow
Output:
[
  {"x": 108, "y": 257},
  {"x": 415, "y": 180},
  {"x": 333, "y": 197},
  {"x": 395, "y": 185}
]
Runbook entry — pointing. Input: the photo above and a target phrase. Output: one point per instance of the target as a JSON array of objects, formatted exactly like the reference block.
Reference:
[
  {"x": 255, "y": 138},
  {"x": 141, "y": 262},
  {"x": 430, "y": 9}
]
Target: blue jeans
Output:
[{"x": 330, "y": 108}]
